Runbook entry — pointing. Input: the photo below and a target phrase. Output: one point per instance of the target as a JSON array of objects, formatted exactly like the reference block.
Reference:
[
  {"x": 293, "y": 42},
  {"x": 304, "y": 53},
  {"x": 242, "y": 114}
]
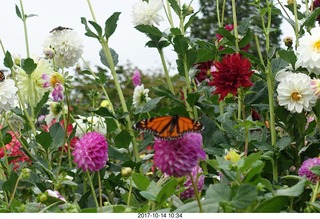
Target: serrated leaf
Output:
[
  {"x": 293, "y": 191},
  {"x": 150, "y": 105},
  {"x": 274, "y": 204},
  {"x": 219, "y": 193},
  {"x": 244, "y": 196},
  {"x": 111, "y": 24},
  {"x": 28, "y": 65},
  {"x": 288, "y": 56},
  {"x": 7, "y": 61},
  {"x": 149, "y": 30},
  {"x": 9, "y": 185}
]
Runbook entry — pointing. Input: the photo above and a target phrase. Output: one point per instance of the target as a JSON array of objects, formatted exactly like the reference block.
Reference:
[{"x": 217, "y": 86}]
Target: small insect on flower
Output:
[
  {"x": 2, "y": 76},
  {"x": 59, "y": 28}
]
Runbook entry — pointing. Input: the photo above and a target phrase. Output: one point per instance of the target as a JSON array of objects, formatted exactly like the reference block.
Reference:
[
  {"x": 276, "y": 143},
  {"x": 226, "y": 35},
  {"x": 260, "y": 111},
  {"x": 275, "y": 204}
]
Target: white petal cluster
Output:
[
  {"x": 295, "y": 94},
  {"x": 67, "y": 45},
  {"x": 91, "y": 123},
  {"x": 147, "y": 13},
  {"x": 308, "y": 51},
  {"x": 140, "y": 96},
  {"x": 8, "y": 97}
]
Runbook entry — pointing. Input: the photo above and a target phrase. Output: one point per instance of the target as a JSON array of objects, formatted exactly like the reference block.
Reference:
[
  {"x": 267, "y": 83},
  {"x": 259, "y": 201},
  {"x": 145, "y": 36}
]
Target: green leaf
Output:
[
  {"x": 150, "y": 105},
  {"x": 104, "y": 112},
  {"x": 28, "y": 65},
  {"x": 315, "y": 170},
  {"x": 39, "y": 106},
  {"x": 274, "y": 204},
  {"x": 44, "y": 139},
  {"x": 96, "y": 27},
  {"x": 311, "y": 18},
  {"x": 9, "y": 185},
  {"x": 8, "y": 62},
  {"x": 57, "y": 134},
  {"x": 104, "y": 60},
  {"x": 167, "y": 191},
  {"x": 18, "y": 12},
  {"x": 208, "y": 206},
  {"x": 111, "y": 24},
  {"x": 149, "y": 30},
  {"x": 293, "y": 191},
  {"x": 255, "y": 171},
  {"x": 88, "y": 32},
  {"x": 219, "y": 193},
  {"x": 174, "y": 5},
  {"x": 288, "y": 56},
  {"x": 180, "y": 45},
  {"x": 250, "y": 160},
  {"x": 205, "y": 55},
  {"x": 141, "y": 181},
  {"x": 283, "y": 143},
  {"x": 152, "y": 191},
  {"x": 244, "y": 196},
  {"x": 123, "y": 139}
]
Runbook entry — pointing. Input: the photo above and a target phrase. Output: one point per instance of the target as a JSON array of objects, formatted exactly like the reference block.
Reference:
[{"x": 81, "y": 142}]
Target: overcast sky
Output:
[{"x": 126, "y": 41}]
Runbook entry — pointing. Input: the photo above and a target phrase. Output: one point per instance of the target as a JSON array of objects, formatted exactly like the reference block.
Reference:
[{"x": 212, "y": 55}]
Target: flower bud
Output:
[
  {"x": 288, "y": 41},
  {"x": 290, "y": 2},
  {"x": 42, "y": 198},
  {"x": 25, "y": 173},
  {"x": 187, "y": 9},
  {"x": 49, "y": 53},
  {"x": 126, "y": 171}
]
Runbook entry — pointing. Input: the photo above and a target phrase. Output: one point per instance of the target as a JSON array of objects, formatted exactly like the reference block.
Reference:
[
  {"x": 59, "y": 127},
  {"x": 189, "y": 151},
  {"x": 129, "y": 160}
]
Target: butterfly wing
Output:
[{"x": 169, "y": 127}]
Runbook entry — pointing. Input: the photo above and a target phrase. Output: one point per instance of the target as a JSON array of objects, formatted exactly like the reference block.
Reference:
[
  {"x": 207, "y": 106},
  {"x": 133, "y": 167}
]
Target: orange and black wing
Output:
[{"x": 169, "y": 127}]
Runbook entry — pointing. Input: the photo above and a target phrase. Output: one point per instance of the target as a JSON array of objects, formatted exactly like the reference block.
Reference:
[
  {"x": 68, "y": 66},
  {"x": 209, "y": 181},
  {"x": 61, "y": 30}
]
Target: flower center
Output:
[
  {"x": 316, "y": 45},
  {"x": 296, "y": 96}
]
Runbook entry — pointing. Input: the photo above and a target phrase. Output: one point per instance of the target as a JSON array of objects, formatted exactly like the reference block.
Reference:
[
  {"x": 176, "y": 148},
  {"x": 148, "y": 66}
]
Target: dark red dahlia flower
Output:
[
  {"x": 232, "y": 72},
  {"x": 204, "y": 70}
]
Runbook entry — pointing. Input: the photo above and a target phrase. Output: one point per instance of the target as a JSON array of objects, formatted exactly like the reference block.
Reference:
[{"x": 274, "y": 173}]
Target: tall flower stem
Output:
[
  {"x": 168, "y": 13},
  {"x": 92, "y": 189},
  {"x": 270, "y": 86},
  {"x": 246, "y": 129},
  {"x": 296, "y": 23},
  {"x": 166, "y": 70},
  {"x": 196, "y": 192},
  {"x": 107, "y": 52},
  {"x": 315, "y": 192},
  {"x": 235, "y": 23},
  {"x": 100, "y": 190},
  {"x": 130, "y": 192},
  {"x": 24, "y": 20},
  {"x": 14, "y": 189}
]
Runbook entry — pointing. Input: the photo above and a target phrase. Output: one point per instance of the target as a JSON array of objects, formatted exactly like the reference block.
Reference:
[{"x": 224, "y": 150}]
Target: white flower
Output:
[
  {"x": 283, "y": 73},
  {"x": 140, "y": 96},
  {"x": 295, "y": 94},
  {"x": 308, "y": 51},
  {"x": 8, "y": 97},
  {"x": 67, "y": 45},
  {"x": 91, "y": 123},
  {"x": 31, "y": 86},
  {"x": 55, "y": 112},
  {"x": 147, "y": 13}
]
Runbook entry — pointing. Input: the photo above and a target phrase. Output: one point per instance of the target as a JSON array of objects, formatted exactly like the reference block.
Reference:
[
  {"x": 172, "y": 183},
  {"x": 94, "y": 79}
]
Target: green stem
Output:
[
  {"x": 196, "y": 193},
  {"x": 130, "y": 191},
  {"x": 222, "y": 13},
  {"x": 14, "y": 190},
  {"x": 246, "y": 131},
  {"x": 315, "y": 192},
  {"x": 24, "y": 20},
  {"x": 91, "y": 11},
  {"x": 169, "y": 14},
  {"x": 235, "y": 24},
  {"x": 218, "y": 13},
  {"x": 166, "y": 70},
  {"x": 92, "y": 189},
  {"x": 100, "y": 190},
  {"x": 296, "y": 24}
]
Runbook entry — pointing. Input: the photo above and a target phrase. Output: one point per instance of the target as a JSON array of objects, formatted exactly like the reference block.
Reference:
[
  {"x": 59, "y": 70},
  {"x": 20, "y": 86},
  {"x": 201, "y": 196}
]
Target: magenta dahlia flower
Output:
[
  {"x": 198, "y": 177},
  {"x": 178, "y": 157},
  {"x": 91, "y": 152},
  {"x": 304, "y": 170},
  {"x": 136, "y": 78}
]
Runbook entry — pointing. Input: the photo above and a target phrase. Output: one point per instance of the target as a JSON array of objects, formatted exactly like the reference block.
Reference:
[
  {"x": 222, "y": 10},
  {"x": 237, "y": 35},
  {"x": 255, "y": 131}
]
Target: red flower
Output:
[
  {"x": 232, "y": 72},
  {"x": 204, "y": 70},
  {"x": 14, "y": 150}
]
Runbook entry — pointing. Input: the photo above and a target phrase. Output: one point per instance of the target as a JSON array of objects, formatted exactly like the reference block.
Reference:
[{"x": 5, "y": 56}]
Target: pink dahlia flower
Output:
[
  {"x": 304, "y": 170},
  {"x": 136, "y": 78},
  {"x": 198, "y": 177},
  {"x": 91, "y": 152},
  {"x": 178, "y": 157}
]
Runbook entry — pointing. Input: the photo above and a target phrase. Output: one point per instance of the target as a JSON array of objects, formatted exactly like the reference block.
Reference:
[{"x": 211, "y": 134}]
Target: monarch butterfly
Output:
[
  {"x": 2, "y": 76},
  {"x": 169, "y": 127}
]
